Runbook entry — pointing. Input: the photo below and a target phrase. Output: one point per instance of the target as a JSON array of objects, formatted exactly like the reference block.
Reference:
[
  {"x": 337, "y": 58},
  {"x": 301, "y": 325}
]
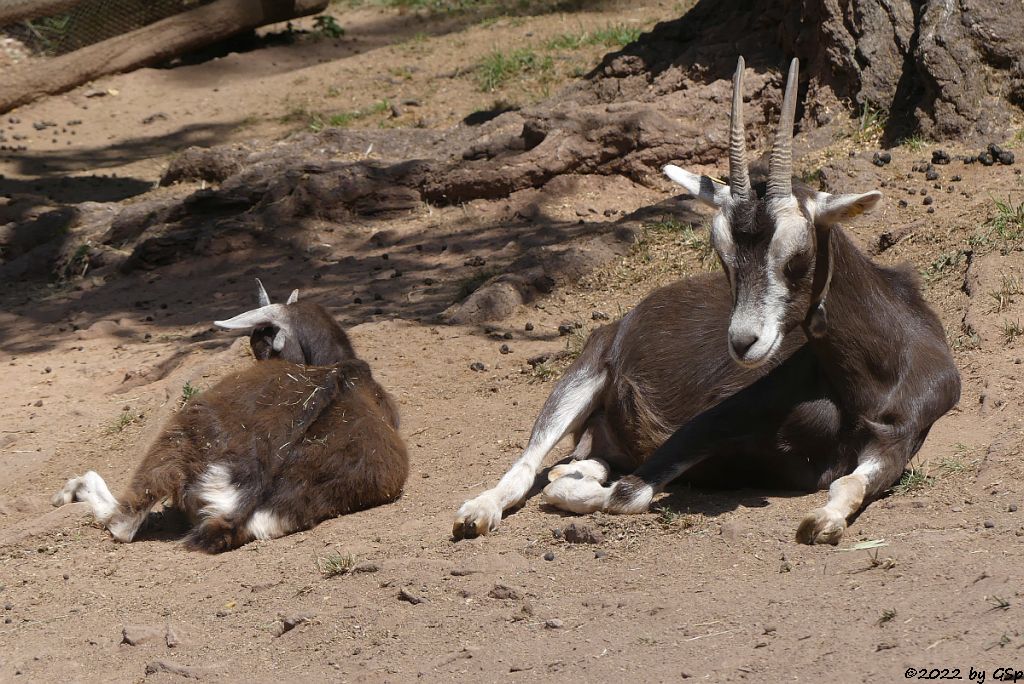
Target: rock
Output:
[
  {"x": 931, "y": 175},
  {"x": 927, "y": 200},
  {"x": 159, "y": 116},
  {"x": 564, "y": 329},
  {"x": 408, "y": 597},
  {"x": 136, "y": 635},
  {"x": 477, "y": 366},
  {"x": 549, "y": 556},
  {"x": 578, "y": 533},
  {"x": 365, "y": 568},
  {"x": 599, "y": 316},
  {"x": 38, "y": 403},
  {"x": 168, "y": 667},
  {"x": 528, "y": 327},
  {"x": 989, "y": 524},
  {"x": 502, "y": 592},
  {"x": 504, "y": 349},
  {"x": 287, "y": 623},
  {"x": 1012, "y": 508},
  {"x": 940, "y": 157},
  {"x": 881, "y": 158},
  {"x": 554, "y": 623},
  {"x": 1006, "y": 157},
  {"x": 475, "y": 261},
  {"x": 600, "y": 554},
  {"x": 462, "y": 572},
  {"x": 986, "y": 159}
]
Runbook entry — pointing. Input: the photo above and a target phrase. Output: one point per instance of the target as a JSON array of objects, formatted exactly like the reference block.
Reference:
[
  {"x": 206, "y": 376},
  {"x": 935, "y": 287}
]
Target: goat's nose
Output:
[{"x": 742, "y": 342}]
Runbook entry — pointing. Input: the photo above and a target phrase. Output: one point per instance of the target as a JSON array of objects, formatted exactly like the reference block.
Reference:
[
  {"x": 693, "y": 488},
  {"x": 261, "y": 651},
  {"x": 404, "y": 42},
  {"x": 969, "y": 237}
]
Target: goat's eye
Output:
[{"x": 796, "y": 268}]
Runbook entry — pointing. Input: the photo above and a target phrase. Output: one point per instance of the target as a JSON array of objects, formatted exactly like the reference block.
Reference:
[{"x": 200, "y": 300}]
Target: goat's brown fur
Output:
[{"x": 301, "y": 443}]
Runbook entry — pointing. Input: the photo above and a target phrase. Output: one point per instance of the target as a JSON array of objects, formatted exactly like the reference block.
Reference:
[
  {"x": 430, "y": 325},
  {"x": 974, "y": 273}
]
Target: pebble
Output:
[
  {"x": 940, "y": 157},
  {"x": 1012, "y": 508},
  {"x": 956, "y": 179},
  {"x": 134, "y": 635},
  {"x": 600, "y": 554},
  {"x": 554, "y": 623},
  {"x": 881, "y": 158},
  {"x": 405, "y": 595},
  {"x": 288, "y": 623},
  {"x": 528, "y": 327},
  {"x": 500, "y": 591},
  {"x": 928, "y": 200},
  {"x": 902, "y": 203},
  {"x": 39, "y": 402},
  {"x": 986, "y": 159},
  {"x": 549, "y": 556},
  {"x": 931, "y": 175},
  {"x": 564, "y": 329},
  {"x": 504, "y": 349},
  {"x": 599, "y": 316},
  {"x": 989, "y": 524},
  {"x": 507, "y": 336},
  {"x": 475, "y": 261},
  {"x": 477, "y": 366}
]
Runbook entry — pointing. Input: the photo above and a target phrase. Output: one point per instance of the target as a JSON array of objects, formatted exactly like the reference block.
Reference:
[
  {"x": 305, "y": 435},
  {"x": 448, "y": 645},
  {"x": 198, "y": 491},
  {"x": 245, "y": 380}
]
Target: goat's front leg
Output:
[
  {"x": 877, "y": 468},
  {"x": 572, "y": 401}
]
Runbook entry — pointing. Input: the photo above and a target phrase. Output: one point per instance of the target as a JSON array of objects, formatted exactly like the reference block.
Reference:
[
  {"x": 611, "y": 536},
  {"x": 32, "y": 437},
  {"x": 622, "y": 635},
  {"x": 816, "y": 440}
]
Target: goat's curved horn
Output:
[
  {"x": 261, "y": 293},
  {"x": 739, "y": 176},
  {"x": 272, "y": 314},
  {"x": 293, "y": 297},
  {"x": 780, "y": 164}
]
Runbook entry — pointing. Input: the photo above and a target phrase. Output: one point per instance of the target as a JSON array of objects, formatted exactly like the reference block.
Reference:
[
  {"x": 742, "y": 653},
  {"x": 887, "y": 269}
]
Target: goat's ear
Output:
[
  {"x": 831, "y": 209},
  {"x": 261, "y": 294},
  {"x": 273, "y": 315},
  {"x": 708, "y": 190},
  {"x": 293, "y": 297}
]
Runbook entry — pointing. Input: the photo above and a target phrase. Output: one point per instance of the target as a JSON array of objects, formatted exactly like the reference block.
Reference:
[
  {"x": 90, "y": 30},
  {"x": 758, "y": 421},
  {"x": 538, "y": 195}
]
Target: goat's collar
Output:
[{"x": 816, "y": 321}]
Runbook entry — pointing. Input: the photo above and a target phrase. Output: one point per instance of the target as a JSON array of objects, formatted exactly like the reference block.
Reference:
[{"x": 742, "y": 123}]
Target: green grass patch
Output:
[
  {"x": 128, "y": 417},
  {"x": 696, "y": 239},
  {"x": 871, "y": 122},
  {"x": 613, "y": 35},
  {"x": 1011, "y": 331},
  {"x": 188, "y": 390},
  {"x": 914, "y": 143},
  {"x": 498, "y": 68}
]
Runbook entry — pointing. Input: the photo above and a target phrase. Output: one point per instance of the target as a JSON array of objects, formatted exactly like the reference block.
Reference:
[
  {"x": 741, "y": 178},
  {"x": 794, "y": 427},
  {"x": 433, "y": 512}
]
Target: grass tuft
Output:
[
  {"x": 187, "y": 392},
  {"x": 914, "y": 143},
  {"x": 128, "y": 417},
  {"x": 335, "y": 564},
  {"x": 887, "y": 616},
  {"x": 1011, "y": 331},
  {"x": 913, "y": 480}
]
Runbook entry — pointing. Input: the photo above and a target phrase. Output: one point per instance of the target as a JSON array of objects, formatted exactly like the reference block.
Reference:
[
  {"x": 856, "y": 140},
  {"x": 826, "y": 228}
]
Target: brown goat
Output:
[
  {"x": 303, "y": 435},
  {"x": 802, "y": 365}
]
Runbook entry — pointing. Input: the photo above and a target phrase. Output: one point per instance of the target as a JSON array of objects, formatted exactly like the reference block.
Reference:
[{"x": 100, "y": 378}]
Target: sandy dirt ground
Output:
[{"x": 710, "y": 586}]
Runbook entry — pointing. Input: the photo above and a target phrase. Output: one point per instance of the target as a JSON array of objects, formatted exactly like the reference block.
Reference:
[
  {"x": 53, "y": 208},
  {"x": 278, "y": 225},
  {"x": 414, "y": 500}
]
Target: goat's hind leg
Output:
[{"x": 573, "y": 400}]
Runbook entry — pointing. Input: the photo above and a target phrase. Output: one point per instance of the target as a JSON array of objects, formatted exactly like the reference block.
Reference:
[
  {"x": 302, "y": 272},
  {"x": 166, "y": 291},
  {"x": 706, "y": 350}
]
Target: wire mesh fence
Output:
[{"x": 77, "y": 24}]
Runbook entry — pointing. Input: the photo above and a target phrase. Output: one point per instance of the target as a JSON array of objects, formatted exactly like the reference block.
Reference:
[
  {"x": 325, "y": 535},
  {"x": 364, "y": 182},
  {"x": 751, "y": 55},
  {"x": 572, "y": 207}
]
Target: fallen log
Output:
[
  {"x": 157, "y": 42},
  {"x": 20, "y": 10}
]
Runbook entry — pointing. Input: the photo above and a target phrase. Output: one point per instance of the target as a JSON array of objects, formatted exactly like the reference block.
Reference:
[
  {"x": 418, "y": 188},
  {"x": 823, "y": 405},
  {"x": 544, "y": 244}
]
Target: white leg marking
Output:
[
  {"x": 91, "y": 489},
  {"x": 576, "y": 397},
  {"x": 592, "y": 467},
  {"x": 266, "y": 524},
  {"x": 124, "y": 526},
  {"x": 577, "y": 494},
  {"x": 826, "y": 525},
  {"x": 215, "y": 490}
]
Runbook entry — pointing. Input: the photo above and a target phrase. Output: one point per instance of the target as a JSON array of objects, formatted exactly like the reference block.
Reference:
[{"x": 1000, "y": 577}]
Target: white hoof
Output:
[
  {"x": 66, "y": 494},
  {"x": 477, "y": 517},
  {"x": 593, "y": 468},
  {"x": 821, "y": 526},
  {"x": 577, "y": 494}
]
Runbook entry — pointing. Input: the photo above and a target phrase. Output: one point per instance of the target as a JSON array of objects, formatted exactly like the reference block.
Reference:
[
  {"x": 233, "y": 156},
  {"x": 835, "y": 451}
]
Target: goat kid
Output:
[
  {"x": 838, "y": 366},
  {"x": 303, "y": 435}
]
